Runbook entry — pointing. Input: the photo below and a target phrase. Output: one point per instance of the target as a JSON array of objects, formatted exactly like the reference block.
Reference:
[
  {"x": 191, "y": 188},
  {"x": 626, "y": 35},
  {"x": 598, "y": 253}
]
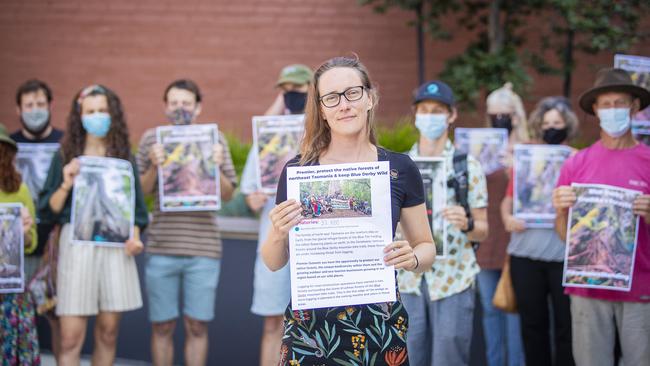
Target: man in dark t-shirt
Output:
[{"x": 33, "y": 106}]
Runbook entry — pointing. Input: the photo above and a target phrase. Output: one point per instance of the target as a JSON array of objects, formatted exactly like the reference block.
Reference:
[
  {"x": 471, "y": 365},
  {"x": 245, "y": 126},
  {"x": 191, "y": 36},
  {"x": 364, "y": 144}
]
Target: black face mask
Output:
[
  {"x": 555, "y": 136},
  {"x": 295, "y": 101},
  {"x": 501, "y": 121}
]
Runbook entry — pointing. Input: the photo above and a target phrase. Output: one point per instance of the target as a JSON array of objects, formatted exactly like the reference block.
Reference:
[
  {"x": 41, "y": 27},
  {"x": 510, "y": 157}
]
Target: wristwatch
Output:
[{"x": 470, "y": 224}]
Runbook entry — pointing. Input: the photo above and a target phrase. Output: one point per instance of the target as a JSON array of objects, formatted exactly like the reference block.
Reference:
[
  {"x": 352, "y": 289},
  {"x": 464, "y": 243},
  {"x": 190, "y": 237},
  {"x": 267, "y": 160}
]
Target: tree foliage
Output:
[{"x": 496, "y": 53}]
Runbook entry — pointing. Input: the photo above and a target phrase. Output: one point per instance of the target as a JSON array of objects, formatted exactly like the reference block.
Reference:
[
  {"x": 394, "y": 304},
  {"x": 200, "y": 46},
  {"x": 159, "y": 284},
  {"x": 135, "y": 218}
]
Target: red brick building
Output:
[{"x": 233, "y": 49}]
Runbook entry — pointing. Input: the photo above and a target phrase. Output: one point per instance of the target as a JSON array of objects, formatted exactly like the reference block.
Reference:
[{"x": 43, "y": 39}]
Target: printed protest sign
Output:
[
  {"x": 639, "y": 69},
  {"x": 188, "y": 179},
  {"x": 487, "y": 145},
  {"x": 337, "y": 249},
  {"x": 12, "y": 273},
  {"x": 434, "y": 179},
  {"x": 536, "y": 171},
  {"x": 103, "y": 202},
  {"x": 601, "y": 238},
  {"x": 276, "y": 140},
  {"x": 33, "y": 162}
]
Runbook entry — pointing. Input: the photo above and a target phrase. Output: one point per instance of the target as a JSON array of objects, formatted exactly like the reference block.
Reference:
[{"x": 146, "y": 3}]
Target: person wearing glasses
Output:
[
  {"x": 537, "y": 254},
  {"x": 339, "y": 128}
]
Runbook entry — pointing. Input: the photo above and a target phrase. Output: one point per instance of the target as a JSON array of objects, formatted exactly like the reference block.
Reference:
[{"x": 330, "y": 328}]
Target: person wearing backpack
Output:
[{"x": 441, "y": 300}]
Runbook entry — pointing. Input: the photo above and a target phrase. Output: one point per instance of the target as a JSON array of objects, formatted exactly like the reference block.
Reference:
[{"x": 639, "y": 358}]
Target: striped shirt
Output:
[{"x": 189, "y": 233}]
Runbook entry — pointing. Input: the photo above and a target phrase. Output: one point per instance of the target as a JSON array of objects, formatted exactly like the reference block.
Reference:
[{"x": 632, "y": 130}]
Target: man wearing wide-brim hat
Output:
[{"x": 618, "y": 160}]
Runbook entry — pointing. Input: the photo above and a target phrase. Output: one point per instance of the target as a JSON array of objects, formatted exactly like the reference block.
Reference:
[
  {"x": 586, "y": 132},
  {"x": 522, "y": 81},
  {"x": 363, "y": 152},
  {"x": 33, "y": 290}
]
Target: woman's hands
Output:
[
  {"x": 401, "y": 255},
  {"x": 70, "y": 171},
  {"x": 285, "y": 216}
]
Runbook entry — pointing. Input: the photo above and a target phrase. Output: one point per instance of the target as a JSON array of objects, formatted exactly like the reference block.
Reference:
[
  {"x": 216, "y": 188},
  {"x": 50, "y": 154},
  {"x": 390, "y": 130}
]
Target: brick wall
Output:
[{"x": 233, "y": 49}]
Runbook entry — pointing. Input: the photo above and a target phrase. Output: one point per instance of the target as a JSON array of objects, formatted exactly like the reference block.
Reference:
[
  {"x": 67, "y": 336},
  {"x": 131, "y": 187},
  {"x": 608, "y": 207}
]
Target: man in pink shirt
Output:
[{"x": 617, "y": 159}]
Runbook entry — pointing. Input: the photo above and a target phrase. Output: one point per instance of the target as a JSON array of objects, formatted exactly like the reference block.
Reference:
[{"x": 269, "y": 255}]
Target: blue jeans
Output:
[
  {"x": 501, "y": 330},
  {"x": 440, "y": 332}
]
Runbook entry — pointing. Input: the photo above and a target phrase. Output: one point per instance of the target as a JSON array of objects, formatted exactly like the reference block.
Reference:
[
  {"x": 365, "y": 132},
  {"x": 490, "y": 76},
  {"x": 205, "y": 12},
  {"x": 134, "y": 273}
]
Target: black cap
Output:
[{"x": 435, "y": 90}]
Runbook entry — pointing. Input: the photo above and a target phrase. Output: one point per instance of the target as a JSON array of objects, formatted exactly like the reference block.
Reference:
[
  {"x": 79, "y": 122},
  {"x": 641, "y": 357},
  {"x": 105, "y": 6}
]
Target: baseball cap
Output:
[
  {"x": 435, "y": 90},
  {"x": 297, "y": 74}
]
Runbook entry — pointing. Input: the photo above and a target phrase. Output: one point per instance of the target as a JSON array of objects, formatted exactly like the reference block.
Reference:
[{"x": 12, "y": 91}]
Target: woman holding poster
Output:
[
  {"x": 339, "y": 128},
  {"x": 501, "y": 330},
  {"x": 537, "y": 253},
  {"x": 92, "y": 279},
  {"x": 18, "y": 336}
]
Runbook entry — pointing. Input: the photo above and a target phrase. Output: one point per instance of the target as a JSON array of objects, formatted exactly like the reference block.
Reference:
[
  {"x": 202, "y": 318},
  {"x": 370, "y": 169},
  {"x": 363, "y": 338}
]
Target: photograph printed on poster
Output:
[
  {"x": 188, "y": 178},
  {"x": 333, "y": 199},
  {"x": 601, "y": 238},
  {"x": 11, "y": 248},
  {"x": 103, "y": 202},
  {"x": 276, "y": 139}
]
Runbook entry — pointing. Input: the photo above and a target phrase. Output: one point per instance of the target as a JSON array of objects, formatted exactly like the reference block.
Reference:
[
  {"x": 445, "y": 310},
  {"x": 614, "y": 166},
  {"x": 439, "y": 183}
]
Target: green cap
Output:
[
  {"x": 297, "y": 74},
  {"x": 4, "y": 137}
]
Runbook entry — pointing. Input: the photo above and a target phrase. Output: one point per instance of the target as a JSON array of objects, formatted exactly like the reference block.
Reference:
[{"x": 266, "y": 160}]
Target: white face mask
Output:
[
  {"x": 431, "y": 125},
  {"x": 614, "y": 121},
  {"x": 36, "y": 120}
]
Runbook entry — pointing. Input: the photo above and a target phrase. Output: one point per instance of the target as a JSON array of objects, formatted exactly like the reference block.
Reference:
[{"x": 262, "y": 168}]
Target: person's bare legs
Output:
[
  {"x": 271, "y": 340},
  {"x": 196, "y": 342},
  {"x": 55, "y": 334},
  {"x": 162, "y": 343},
  {"x": 73, "y": 332},
  {"x": 107, "y": 326}
]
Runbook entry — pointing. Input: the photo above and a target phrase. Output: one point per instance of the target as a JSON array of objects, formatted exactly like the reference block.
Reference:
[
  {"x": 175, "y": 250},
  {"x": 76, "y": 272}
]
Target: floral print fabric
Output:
[
  {"x": 18, "y": 336},
  {"x": 368, "y": 335}
]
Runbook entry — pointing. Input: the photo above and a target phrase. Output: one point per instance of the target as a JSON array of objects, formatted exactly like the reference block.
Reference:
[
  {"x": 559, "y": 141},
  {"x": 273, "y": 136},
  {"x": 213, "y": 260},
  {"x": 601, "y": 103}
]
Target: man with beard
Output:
[{"x": 34, "y": 107}]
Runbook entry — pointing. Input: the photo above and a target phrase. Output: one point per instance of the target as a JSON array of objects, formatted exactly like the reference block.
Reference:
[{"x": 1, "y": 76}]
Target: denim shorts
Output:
[{"x": 165, "y": 275}]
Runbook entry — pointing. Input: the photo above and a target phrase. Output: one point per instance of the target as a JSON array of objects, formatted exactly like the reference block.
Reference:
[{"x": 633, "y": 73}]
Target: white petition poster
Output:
[{"x": 337, "y": 249}]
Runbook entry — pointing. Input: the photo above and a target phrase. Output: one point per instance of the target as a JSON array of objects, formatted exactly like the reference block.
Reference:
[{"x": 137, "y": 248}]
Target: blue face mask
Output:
[
  {"x": 97, "y": 124},
  {"x": 614, "y": 121},
  {"x": 432, "y": 126}
]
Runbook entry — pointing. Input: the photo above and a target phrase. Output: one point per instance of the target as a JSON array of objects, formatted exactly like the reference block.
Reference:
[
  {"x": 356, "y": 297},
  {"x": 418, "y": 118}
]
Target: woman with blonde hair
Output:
[
  {"x": 501, "y": 330},
  {"x": 339, "y": 128}
]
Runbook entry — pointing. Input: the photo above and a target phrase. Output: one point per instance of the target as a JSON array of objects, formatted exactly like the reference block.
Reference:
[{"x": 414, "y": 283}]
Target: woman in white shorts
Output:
[{"x": 92, "y": 280}]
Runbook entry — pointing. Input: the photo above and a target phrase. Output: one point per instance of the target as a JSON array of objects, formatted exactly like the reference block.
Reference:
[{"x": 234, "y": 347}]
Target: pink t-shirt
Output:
[{"x": 626, "y": 168}]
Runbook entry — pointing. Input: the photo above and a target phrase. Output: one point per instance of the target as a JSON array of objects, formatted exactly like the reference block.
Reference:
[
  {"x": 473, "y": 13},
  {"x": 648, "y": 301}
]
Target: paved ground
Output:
[{"x": 47, "y": 359}]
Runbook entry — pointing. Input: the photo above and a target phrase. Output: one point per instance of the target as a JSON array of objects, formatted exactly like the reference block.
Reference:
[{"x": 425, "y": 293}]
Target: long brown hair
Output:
[
  {"x": 317, "y": 132},
  {"x": 10, "y": 178},
  {"x": 117, "y": 139}
]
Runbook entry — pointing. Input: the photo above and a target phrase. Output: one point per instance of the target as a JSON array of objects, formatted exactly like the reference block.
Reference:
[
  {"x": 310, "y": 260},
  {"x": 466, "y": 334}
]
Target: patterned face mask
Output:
[{"x": 180, "y": 116}]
